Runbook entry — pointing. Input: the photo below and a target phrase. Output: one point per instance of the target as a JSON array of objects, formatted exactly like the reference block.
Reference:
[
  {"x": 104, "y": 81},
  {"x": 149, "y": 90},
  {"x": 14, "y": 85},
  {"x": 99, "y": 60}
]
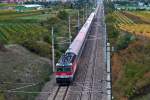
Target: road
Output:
[{"x": 90, "y": 80}]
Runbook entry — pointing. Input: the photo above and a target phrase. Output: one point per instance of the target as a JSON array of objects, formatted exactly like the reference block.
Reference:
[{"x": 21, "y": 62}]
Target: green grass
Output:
[
  {"x": 37, "y": 17},
  {"x": 2, "y": 96},
  {"x": 145, "y": 97},
  {"x": 7, "y": 5},
  {"x": 133, "y": 76},
  {"x": 2, "y": 12},
  {"x": 133, "y": 71},
  {"x": 10, "y": 15}
]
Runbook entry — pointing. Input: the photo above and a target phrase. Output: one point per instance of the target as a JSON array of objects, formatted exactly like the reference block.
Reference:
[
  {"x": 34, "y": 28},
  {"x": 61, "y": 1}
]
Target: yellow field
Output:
[
  {"x": 126, "y": 24},
  {"x": 143, "y": 15},
  {"x": 137, "y": 29},
  {"x": 122, "y": 18}
]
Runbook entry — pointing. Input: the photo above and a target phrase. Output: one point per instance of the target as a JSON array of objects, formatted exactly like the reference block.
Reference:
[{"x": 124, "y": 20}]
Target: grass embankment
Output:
[
  {"x": 25, "y": 72},
  {"x": 130, "y": 61}
]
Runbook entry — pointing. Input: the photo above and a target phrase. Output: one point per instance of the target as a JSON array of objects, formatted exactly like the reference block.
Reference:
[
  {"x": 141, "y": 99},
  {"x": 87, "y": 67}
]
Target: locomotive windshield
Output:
[{"x": 67, "y": 58}]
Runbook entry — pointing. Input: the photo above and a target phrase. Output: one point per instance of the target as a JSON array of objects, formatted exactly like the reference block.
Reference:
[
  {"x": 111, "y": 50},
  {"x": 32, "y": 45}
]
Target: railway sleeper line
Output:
[
  {"x": 81, "y": 75},
  {"x": 59, "y": 93},
  {"x": 94, "y": 68},
  {"x": 89, "y": 77}
]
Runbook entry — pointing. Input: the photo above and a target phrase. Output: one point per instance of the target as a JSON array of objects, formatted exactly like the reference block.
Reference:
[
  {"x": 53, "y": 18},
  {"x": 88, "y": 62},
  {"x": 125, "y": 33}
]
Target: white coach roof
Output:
[{"x": 80, "y": 38}]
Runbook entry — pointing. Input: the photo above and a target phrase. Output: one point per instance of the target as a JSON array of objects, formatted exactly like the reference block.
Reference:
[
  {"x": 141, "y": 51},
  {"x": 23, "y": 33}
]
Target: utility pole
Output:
[
  {"x": 109, "y": 73},
  {"x": 87, "y": 14},
  {"x": 86, "y": 11},
  {"x": 78, "y": 20},
  {"x": 69, "y": 30},
  {"x": 53, "y": 50},
  {"x": 83, "y": 16}
]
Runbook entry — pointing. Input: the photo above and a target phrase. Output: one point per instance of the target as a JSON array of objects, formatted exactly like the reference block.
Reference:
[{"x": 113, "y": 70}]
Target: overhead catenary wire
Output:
[
  {"x": 4, "y": 82},
  {"x": 23, "y": 87},
  {"x": 35, "y": 92},
  {"x": 93, "y": 38}
]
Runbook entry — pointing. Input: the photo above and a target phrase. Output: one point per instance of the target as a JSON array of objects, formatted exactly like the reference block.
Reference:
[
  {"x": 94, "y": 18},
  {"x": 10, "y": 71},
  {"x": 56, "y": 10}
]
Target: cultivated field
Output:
[{"x": 128, "y": 25}]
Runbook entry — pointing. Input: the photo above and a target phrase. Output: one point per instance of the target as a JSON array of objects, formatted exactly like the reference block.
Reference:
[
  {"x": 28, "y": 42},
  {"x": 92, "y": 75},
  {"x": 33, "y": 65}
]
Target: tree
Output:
[
  {"x": 63, "y": 15},
  {"x": 123, "y": 41},
  {"x": 83, "y": 3}
]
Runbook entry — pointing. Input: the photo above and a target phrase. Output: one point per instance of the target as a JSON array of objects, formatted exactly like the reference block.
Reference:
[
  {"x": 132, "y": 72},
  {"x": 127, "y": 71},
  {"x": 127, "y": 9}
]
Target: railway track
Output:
[
  {"x": 59, "y": 93},
  {"x": 89, "y": 81},
  {"x": 89, "y": 91}
]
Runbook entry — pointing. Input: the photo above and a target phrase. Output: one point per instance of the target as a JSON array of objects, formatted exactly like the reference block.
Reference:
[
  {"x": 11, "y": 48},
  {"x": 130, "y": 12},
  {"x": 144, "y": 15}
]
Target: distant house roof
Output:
[
  {"x": 32, "y": 5},
  {"x": 11, "y": 1}
]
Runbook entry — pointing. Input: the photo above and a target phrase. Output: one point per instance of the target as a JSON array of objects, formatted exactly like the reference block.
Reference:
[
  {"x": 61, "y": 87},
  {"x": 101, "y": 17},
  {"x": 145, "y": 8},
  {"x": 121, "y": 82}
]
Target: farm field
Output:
[
  {"x": 21, "y": 32},
  {"x": 122, "y": 18},
  {"x": 12, "y": 15},
  {"x": 137, "y": 29},
  {"x": 7, "y": 5},
  {"x": 128, "y": 25},
  {"x": 37, "y": 17},
  {"x": 144, "y": 15},
  {"x": 18, "y": 30},
  {"x": 138, "y": 16},
  {"x": 33, "y": 25}
]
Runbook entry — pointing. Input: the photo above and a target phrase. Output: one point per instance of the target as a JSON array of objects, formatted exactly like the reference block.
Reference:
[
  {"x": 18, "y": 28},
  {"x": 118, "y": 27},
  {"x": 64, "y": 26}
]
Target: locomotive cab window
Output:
[
  {"x": 63, "y": 69},
  {"x": 59, "y": 69}
]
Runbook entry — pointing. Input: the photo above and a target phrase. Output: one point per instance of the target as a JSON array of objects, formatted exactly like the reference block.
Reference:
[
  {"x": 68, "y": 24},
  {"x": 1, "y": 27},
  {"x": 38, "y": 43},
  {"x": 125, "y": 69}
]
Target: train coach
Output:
[{"x": 67, "y": 64}]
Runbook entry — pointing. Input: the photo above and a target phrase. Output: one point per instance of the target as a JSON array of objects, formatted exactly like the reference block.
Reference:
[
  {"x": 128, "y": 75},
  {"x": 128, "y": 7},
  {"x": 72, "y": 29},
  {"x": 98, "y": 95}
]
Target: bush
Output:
[
  {"x": 2, "y": 96},
  {"x": 112, "y": 31},
  {"x": 39, "y": 47},
  {"x": 110, "y": 18},
  {"x": 52, "y": 21},
  {"x": 47, "y": 39},
  {"x": 3, "y": 40},
  {"x": 63, "y": 15},
  {"x": 123, "y": 41}
]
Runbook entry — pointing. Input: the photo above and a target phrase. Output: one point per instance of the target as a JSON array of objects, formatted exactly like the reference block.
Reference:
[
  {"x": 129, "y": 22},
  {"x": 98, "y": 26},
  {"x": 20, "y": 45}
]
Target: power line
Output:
[
  {"x": 23, "y": 87},
  {"x": 70, "y": 92},
  {"x": 3, "y": 82}
]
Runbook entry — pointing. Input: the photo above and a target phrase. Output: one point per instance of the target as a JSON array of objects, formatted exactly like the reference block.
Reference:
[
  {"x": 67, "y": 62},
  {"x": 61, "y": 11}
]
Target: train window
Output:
[
  {"x": 59, "y": 69},
  {"x": 63, "y": 69},
  {"x": 67, "y": 69}
]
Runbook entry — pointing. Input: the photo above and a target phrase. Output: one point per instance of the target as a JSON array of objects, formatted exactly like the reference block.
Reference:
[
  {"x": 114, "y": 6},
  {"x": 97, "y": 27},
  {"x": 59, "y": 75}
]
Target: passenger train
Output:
[{"x": 67, "y": 64}]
